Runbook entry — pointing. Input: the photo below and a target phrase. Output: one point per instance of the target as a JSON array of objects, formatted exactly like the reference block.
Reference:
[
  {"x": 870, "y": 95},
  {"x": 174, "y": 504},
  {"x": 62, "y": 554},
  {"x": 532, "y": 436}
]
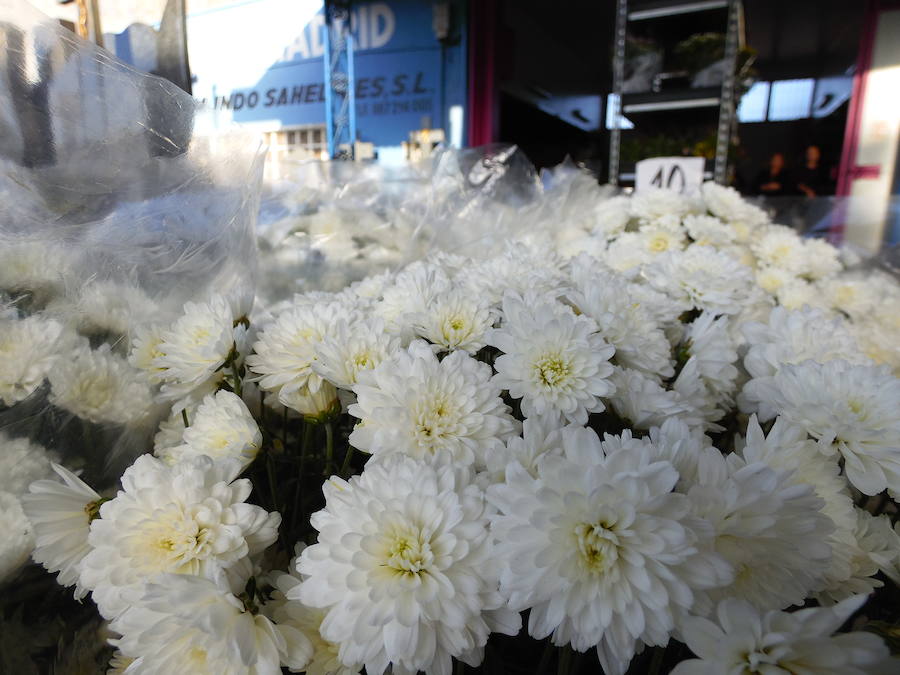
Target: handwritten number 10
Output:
[{"x": 676, "y": 177}]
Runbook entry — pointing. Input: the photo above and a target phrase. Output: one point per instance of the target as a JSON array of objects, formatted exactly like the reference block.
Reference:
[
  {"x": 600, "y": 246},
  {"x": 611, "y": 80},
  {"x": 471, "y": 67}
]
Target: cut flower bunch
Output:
[{"x": 661, "y": 436}]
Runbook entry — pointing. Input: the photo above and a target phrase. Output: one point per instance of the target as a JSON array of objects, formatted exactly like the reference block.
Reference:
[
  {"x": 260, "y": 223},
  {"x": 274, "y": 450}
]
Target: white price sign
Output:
[{"x": 679, "y": 174}]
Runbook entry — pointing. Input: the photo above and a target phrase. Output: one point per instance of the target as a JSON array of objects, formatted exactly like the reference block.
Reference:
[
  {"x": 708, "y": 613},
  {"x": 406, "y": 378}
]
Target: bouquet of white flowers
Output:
[
  {"x": 115, "y": 214},
  {"x": 665, "y": 427}
]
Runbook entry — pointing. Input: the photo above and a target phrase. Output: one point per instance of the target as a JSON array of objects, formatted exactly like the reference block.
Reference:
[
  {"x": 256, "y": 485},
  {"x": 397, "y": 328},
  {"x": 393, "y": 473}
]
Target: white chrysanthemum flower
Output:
[
  {"x": 740, "y": 252},
  {"x": 682, "y": 445},
  {"x": 877, "y": 339},
  {"x": 624, "y": 322},
  {"x": 769, "y": 529},
  {"x": 773, "y": 280},
  {"x": 649, "y": 206},
  {"x": 797, "y": 293},
  {"x": 519, "y": 269},
  {"x": 708, "y": 342},
  {"x": 404, "y": 568},
  {"x": 221, "y": 428},
  {"x": 99, "y": 386},
  {"x": 190, "y": 518},
  {"x": 28, "y": 350},
  {"x": 571, "y": 243},
  {"x": 198, "y": 343},
  {"x": 611, "y": 216},
  {"x": 553, "y": 360},
  {"x": 744, "y": 640},
  {"x": 626, "y": 254},
  {"x": 285, "y": 351},
  {"x": 325, "y": 656},
  {"x": 171, "y": 429},
  {"x": 848, "y": 408},
  {"x": 107, "y": 307},
  {"x": 787, "y": 447},
  {"x": 21, "y": 463},
  {"x": 455, "y": 319},
  {"x": 410, "y": 293},
  {"x": 856, "y": 296},
  {"x": 791, "y": 337},
  {"x": 187, "y": 624},
  {"x": 822, "y": 259},
  {"x": 881, "y": 543},
  {"x": 695, "y": 390},
  {"x": 38, "y": 267},
  {"x": 61, "y": 515},
  {"x": 372, "y": 286},
  {"x": 18, "y": 536},
  {"x": 796, "y": 336},
  {"x": 317, "y": 406},
  {"x": 871, "y": 546},
  {"x": 701, "y": 278},
  {"x": 658, "y": 305},
  {"x": 540, "y": 437},
  {"x": 709, "y": 230},
  {"x": 599, "y": 548},
  {"x": 145, "y": 349},
  {"x": 781, "y": 247},
  {"x": 727, "y": 203},
  {"x": 415, "y": 404},
  {"x": 656, "y": 240},
  {"x": 641, "y": 401},
  {"x": 351, "y": 347}
]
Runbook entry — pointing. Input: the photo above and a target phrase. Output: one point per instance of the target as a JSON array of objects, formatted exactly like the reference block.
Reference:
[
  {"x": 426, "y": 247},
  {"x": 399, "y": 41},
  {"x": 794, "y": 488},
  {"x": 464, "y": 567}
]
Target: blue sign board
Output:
[{"x": 261, "y": 62}]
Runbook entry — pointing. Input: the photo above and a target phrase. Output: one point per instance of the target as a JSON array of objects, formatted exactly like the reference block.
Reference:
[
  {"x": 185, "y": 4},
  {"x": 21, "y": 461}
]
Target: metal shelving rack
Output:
[{"x": 722, "y": 98}]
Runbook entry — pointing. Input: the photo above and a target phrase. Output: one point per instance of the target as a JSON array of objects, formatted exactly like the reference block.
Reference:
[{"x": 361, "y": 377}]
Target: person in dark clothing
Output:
[
  {"x": 812, "y": 177},
  {"x": 774, "y": 181}
]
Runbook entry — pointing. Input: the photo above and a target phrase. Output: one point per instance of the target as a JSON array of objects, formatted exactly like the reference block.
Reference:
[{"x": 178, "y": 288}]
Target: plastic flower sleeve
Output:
[
  {"x": 324, "y": 225},
  {"x": 327, "y": 224},
  {"x": 115, "y": 212},
  {"x": 479, "y": 199}
]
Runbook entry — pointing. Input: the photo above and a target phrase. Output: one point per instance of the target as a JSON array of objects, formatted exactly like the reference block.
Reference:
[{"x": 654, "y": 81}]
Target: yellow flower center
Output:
[
  {"x": 363, "y": 360},
  {"x": 844, "y": 295},
  {"x": 779, "y": 253},
  {"x": 770, "y": 282},
  {"x": 197, "y": 656},
  {"x": 552, "y": 369},
  {"x": 436, "y": 419},
  {"x": 857, "y": 407},
  {"x": 407, "y": 553},
  {"x": 598, "y": 546},
  {"x": 659, "y": 243}
]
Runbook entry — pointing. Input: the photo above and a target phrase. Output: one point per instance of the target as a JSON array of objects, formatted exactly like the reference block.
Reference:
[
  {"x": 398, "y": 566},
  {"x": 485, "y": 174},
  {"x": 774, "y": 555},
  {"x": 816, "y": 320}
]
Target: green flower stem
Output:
[
  {"x": 656, "y": 660},
  {"x": 185, "y": 418},
  {"x": 238, "y": 382},
  {"x": 305, "y": 440},
  {"x": 545, "y": 657},
  {"x": 308, "y": 429},
  {"x": 262, "y": 409},
  {"x": 270, "y": 473},
  {"x": 329, "y": 447},
  {"x": 346, "y": 465},
  {"x": 565, "y": 660}
]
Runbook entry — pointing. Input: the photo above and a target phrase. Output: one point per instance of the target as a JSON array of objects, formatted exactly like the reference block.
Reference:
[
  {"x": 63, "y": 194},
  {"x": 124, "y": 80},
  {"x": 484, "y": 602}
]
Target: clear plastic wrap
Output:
[
  {"x": 329, "y": 224},
  {"x": 114, "y": 214}
]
